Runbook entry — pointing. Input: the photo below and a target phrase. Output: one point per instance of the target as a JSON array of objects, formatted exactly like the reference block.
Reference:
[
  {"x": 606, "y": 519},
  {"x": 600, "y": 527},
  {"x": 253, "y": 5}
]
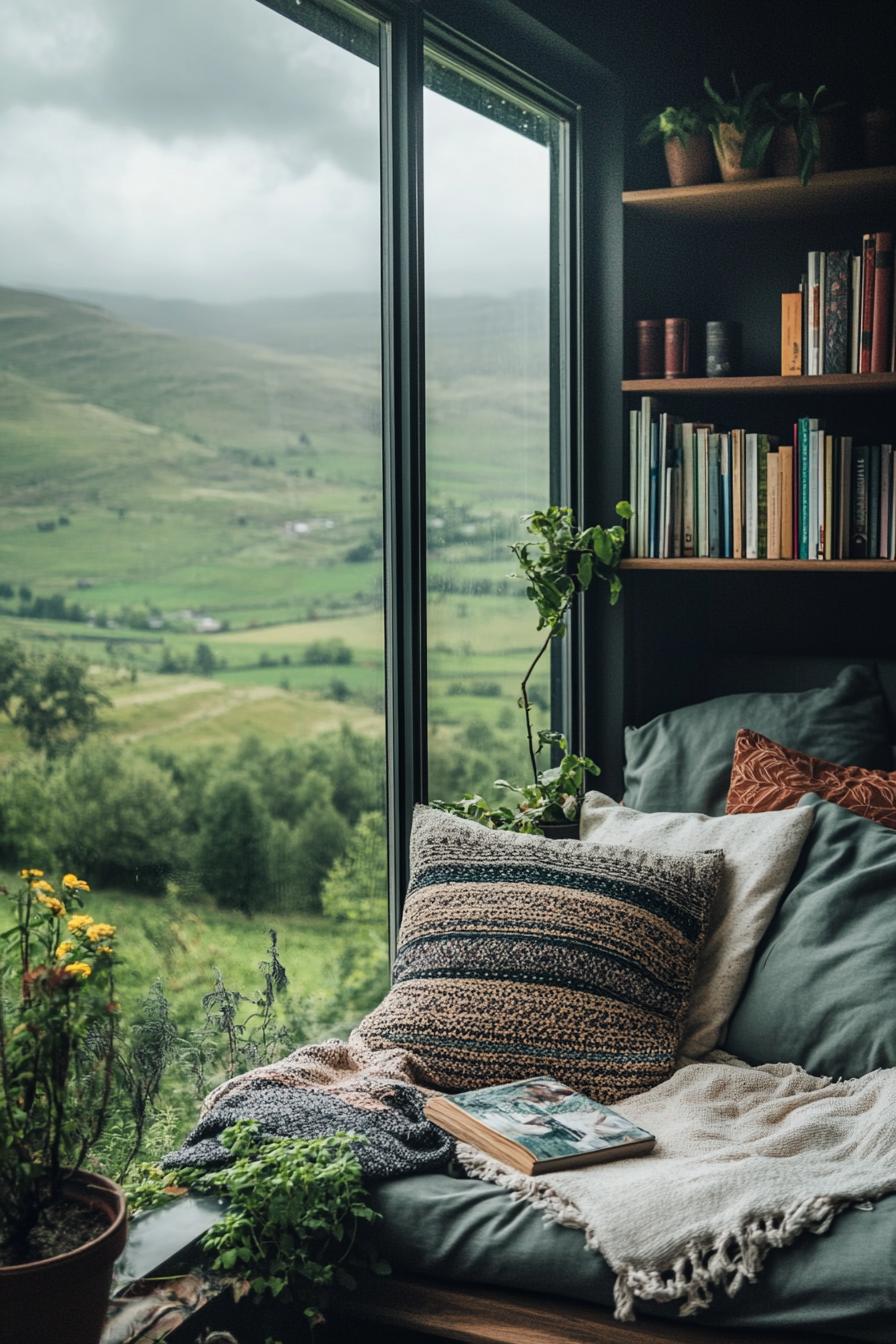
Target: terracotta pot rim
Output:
[{"x": 83, "y": 1180}]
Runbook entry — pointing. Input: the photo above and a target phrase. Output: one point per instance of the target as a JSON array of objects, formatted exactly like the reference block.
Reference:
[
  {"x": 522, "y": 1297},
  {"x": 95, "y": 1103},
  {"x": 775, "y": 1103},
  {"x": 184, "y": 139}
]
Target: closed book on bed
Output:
[{"x": 537, "y": 1125}]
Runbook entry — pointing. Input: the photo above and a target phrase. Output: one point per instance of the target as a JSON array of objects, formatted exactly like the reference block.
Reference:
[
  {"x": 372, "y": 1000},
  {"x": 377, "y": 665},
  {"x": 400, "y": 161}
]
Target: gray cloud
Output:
[{"x": 199, "y": 68}]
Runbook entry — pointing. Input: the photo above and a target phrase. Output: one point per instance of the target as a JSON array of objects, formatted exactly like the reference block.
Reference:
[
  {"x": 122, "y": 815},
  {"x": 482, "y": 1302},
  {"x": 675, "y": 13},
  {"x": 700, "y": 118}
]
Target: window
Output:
[
  {"x": 191, "y": 425},
  {"x": 488, "y": 188},
  {"x": 277, "y": 544}
]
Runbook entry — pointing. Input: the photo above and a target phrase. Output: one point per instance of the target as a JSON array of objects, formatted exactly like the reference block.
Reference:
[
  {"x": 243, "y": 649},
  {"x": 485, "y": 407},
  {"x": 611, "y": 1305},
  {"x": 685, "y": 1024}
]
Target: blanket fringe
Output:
[{"x": 736, "y": 1260}]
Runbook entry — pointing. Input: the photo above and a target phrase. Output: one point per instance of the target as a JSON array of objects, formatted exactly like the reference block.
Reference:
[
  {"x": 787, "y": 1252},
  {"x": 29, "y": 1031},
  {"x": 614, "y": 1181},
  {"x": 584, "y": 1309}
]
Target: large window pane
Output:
[
  {"x": 487, "y": 173},
  {"x": 191, "y": 476}
]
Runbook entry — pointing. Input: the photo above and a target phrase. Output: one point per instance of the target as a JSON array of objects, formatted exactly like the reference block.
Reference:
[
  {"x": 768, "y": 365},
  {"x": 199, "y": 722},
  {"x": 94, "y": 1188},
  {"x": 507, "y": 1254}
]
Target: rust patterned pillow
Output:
[
  {"x": 767, "y": 777},
  {"x": 519, "y": 955}
]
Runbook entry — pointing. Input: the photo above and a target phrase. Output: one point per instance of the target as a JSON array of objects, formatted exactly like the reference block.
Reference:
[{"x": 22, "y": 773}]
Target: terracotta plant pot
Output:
[
  {"x": 65, "y": 1299},
  {"x": 728, "y": 143},
  {"x": 832, "y": 153},
  {"x": 879, "y": 137},
  {"x": 690, "y": 163}
]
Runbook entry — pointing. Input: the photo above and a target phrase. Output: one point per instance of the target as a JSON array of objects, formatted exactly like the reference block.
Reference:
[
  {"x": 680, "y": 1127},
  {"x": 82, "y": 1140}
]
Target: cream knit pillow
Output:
[{"x": 761, "y": 850}]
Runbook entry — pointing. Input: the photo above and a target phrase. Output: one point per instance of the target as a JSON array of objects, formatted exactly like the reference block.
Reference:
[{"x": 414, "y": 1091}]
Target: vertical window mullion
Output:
[{"x": 401, "y": 88}]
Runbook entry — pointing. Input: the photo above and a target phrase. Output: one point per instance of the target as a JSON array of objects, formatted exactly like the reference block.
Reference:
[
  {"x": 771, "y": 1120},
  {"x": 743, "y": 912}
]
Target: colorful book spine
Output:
[
  {"x": 750, "y": 502},
  {"x": 791, "y": 335},
  {"x": 883, "y": 302},
  {"x": 803, "y": 475},
  {"x": 865, "y": 330},
  {"x": 836, "y": 312},
  {"x": 737, "y": 493},
  {"x": 774, "y": 506},
  {"x": 762, "y": 446},
  {"x": 858, "y": 548},
  {"x": 785, "y": 460},
  {"x": 714, "y": 489}
]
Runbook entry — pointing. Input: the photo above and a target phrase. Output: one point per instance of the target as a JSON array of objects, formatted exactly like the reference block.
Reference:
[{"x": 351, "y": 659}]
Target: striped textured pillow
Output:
[
  {"x": 766, "y": 777},
  {"x": 519, "y": 955}
]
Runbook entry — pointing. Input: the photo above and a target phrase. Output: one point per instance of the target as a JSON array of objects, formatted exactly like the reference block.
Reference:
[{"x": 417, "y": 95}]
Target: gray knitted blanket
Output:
[{"x": 334, "y": 1087}]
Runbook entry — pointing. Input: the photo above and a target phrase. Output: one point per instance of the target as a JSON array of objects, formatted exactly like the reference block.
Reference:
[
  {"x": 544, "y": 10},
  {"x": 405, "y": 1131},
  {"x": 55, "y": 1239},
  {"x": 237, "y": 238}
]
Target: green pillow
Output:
[
  {"x": 822, "y": 990},
  {"x": 681, "y": 761}
]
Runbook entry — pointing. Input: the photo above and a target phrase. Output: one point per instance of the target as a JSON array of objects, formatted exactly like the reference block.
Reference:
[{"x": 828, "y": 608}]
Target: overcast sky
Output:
[{"x": 211, "y": 149}]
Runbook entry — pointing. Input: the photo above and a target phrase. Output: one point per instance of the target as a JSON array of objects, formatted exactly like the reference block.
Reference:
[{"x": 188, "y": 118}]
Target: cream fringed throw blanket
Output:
[{"x": 746, "y": 1160}]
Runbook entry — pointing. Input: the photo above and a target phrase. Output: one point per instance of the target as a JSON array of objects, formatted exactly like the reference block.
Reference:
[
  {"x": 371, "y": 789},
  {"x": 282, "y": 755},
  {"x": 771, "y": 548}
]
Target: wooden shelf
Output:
[
  {"x": 852, "y": 191},
  {"x": 764, "y": 384},
  {"x": 749, "y": 566}
]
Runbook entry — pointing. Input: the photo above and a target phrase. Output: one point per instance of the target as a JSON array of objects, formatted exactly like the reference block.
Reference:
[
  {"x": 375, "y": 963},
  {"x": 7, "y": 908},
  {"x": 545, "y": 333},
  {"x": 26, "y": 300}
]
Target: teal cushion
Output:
[
  {"x": 822, "y": 990},
  {"x": 469, "y": 1232},
  {"x": 681, "y": 761}
]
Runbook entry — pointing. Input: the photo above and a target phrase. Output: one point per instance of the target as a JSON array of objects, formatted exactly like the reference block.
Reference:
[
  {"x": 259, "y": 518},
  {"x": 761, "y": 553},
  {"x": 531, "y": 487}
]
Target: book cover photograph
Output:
[{"x": 539, "y": 1123}]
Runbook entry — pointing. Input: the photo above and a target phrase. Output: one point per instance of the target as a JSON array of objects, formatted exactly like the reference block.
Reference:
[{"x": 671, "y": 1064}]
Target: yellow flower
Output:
[
  {"x": 41, "y": 886},
  {"x": 73, "y": 883},
  {"x": 104, "y": 947},
  {"x": 31, "y": 872},
  {"x": 63, "y": 949},
  {"x": 52, "y": 903},
  {"x": 97, "y": 931},
  {"x": 78, "y": 968},
  {"x": 78, "y": 923}
]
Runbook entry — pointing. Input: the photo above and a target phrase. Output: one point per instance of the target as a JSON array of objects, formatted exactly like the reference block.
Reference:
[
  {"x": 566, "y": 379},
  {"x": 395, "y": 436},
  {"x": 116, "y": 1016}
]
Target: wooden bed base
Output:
[{"x": 477, "y": 1315}]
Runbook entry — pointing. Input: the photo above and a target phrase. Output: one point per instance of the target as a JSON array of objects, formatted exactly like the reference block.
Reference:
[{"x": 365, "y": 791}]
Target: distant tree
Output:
[
  {"x": 24, "y": 593},
  {"x": 327, "y": 652},
  {"x": 232, "y": 853},
  {"x": 6, "y": 592},
  {"x": 338, "y": 690},
  {"x": 356, "y": 885},
  {"x": 204, "y": 661},
  {"x": 115, "y": 815},
  {"x": 321, "y": 836},
  {"x": 49, "y": 696}
]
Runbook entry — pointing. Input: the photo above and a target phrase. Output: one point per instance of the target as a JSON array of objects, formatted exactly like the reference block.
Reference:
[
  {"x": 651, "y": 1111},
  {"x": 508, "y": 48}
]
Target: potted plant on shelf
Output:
[
  {"x": 61, "y": 1227},
  {"x": 808, "y": 137},
  {"x": 562, "y": 562},
  {"x": 686, "y": 142},
  {"x": 741, "y": 127}
]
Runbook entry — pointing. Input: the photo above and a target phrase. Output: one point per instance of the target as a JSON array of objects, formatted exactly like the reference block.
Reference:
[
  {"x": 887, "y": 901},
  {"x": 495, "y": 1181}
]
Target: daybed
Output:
[{"x": 470, "y": 1263}]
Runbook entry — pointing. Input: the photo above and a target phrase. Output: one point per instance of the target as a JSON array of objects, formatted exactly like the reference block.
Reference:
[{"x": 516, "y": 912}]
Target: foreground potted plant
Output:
[
  {"x": 808, "y": 136},
  {"x": 61, "y": 1227},
  {"x": 562, "y": 562},
  {"x": 686, "y": 144},
  {"x": 741, "y": 127}
]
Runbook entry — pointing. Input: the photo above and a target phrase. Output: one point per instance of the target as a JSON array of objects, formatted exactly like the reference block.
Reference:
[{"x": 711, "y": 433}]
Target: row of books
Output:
[
  {"x": 702, "y": 491},
  {"x": 842, "y": 318}
]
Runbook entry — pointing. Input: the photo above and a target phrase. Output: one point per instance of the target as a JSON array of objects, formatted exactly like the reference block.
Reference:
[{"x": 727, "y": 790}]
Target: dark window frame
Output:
[{"x": 505, "y": 46}]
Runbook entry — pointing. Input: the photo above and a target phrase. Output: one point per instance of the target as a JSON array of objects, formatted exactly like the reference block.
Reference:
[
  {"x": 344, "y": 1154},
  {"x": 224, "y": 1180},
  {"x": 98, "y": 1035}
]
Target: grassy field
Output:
[{"x": 193, "y": 503}]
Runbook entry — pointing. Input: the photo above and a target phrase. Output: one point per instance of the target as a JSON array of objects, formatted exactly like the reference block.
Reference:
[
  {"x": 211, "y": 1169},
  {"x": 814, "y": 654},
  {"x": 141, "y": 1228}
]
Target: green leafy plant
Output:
[
  {"x": 674, "y": 123},
  {"x": 796, "y": 110},
  {"x": 750, "y": 114},
  {"x": 294, "y": 1209},
  {"x": 561, "y": 562}
]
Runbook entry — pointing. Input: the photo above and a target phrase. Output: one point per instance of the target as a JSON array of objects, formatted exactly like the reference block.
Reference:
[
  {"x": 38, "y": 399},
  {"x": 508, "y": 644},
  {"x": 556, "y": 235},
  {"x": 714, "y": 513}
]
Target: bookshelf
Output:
[
  {"x": 692, "y": 628},
  {"x": 728, "y": 250},
  {"x": 774, "y": 384},
  {"x": 853, "y": 190}
]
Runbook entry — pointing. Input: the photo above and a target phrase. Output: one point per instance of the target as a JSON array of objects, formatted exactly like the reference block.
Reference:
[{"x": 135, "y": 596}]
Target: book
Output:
[
  {"x": 688, "y": 488},
  {"x": 714, "y": 485},
  {"x": 791, "y": 334},
  {"x": 874, "y": 499},
  {"x": 858, "y": 543},
  {"x": 774, "y": 506},
  {"x": 737, "y": 492},
  {"x": 836, "y": 312},
  {"x": 762, "y": 444},
  {"x": 814, "y": 313},
  {"x": 855, "y": 313},
  {"x": 538, "y": 1125},
  {"x": 886, "y": 466},
  {"x": 882, "y": 312},
  {"x": 785, "y": 458},
  {"x": 751, "y": 525},
  {"x": 867, "y": 303}
]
